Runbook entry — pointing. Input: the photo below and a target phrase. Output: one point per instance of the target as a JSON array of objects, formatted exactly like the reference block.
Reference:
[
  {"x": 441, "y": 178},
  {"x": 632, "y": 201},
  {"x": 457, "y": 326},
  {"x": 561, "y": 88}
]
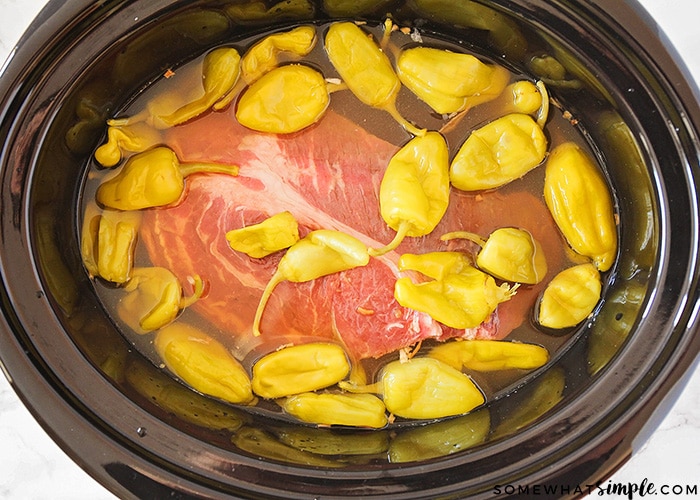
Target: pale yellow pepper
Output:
[
  {"x": 423, "y": 388},
  {"x": 415, "y": 189},
  {"x": 203, "y": 363},
  {"x": 459, "y": 295},
  {"x": 499, "y": 152},
  {"x": 265, "y": 54},
  {"x": 448, "y": 81},
  {"x": 509, "y": 253},
  {"x": 490, "y": 355},
  {"x": 365, "y": 69},
  {"x": 108, "y": 242},
  {"x": 570, "y": 297},
  {"x": 319, "y": 253},
  {"x": 581, "y": 203},
  {"x": 353, "y": 410},
  {"x": 284, "y": 100},
  {"x": 275, "y": 233},
  {"x": 153, "y": 178},
  {"x": 154, "y": 298},
  {"x": 133, "y": 138},
  {"x": 299, "y": 368}
]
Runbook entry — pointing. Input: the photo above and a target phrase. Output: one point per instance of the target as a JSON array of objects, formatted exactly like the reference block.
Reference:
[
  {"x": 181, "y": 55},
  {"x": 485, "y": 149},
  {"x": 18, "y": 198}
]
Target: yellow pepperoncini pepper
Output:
[
  {"x": 415, "y": 190},
  {"x": 269, "y": 236},
  {"x": 284, "y": 100},
  {"x": 108, "y": 241},
  {"x": 265, "y": 11},
  {"x": 134, "y": 138},
  {"x": 321, "y": 441},
  {"x": 570, "y": 297},
  {"x": 220, "y": 72},
  {"x": 580, "y": 202},
  {"x": 154, "y": 298},
  {"x": 490, "y": 355},
  {"x": 299, "y": 368},
  {"x": 153, "y": 178},
  {"x": 509, "y": 253},
  {"x": 447, "y": 81},
  {"x": 423, "y": 388},
  {"x": 318, "y": 254},
  {"x": 498, "y": 153},
  {"x": 459, "y": 295},
  {"x": 265, "y": 54},
  {"x": 354, "y": 410},
  {"x": 365, "y": 69},
  {"x": 203, "y": 363},
  {"x": 439, "y": 439},
  {"x": 353, "y": 8}
]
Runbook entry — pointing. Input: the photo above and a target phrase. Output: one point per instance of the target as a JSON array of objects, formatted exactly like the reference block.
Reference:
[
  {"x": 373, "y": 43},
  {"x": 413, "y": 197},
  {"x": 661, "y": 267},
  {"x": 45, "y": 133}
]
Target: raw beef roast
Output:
[{"x": 328, "y": 177}]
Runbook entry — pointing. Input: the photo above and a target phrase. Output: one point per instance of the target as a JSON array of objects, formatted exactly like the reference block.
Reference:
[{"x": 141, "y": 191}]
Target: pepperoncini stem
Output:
[
  {"x": 543, "y": 112},
  {"x": 390, "y": 107},
  {"x": 319, "y": 253},
  {"x": 187, "y": 169},
  {"x": 388, "y": 29},
  {"x": 401, "y": 234},
  {"x": 465, "y": 235},
  {"x": 197, "y": 292}
]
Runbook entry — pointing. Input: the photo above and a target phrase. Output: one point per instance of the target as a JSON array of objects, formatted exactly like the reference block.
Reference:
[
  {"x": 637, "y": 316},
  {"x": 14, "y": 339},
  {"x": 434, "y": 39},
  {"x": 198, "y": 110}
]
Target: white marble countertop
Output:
[{"x": 32, "y": 466}]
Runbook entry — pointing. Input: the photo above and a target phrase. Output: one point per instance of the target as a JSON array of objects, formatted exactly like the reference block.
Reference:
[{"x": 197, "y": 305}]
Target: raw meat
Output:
[{"x": 328, "y": 177}]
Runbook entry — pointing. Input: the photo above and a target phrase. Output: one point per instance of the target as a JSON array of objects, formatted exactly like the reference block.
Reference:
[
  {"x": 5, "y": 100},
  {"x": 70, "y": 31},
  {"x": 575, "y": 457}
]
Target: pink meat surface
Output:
[{"x": 328, "y": 177}]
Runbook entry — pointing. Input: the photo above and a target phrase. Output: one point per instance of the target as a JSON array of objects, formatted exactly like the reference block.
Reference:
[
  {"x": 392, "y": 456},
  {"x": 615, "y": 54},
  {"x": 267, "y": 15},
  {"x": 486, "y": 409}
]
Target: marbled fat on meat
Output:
[{"x": 328, "y": 177}]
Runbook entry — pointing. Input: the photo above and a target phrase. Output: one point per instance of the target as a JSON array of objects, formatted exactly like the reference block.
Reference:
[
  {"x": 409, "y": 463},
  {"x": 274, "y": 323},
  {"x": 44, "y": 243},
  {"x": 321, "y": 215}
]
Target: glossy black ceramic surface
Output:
[{"x": 143, "y": 435}]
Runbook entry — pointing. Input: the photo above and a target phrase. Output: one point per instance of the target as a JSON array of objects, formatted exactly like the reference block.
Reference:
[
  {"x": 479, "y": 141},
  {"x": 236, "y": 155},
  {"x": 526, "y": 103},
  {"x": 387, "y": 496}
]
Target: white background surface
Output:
[{"x": 33, "y": 467}]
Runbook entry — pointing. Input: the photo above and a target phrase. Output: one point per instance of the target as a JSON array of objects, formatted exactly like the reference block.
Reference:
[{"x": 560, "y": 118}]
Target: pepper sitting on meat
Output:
[
  {"x": 415, "y": 190},
  {"x": 318, "y": 254},
  {"x": 459, "y": 295}
]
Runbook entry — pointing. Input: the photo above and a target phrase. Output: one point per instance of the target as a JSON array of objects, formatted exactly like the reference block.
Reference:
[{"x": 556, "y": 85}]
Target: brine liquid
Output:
[{"x": 378, "y": 123}]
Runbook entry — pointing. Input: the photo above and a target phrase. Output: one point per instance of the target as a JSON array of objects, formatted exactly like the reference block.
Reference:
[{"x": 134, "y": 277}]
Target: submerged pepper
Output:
[
  {"x": 284, "y": 100},
  {"x": 269, "y": 236},
  {"x": 570, "y": 297},
  {"x": 108, "y": 241},
  {"x": 365, "y": 69},
  {"x": 299, "y": 368},
  {"x": 490, "y": 355},
  {"x": 152, "y": 179},
  {"x": 134, "y": 138},
  {"x": 448, "y": 81},
  {"x": 440, "y": 439},
  {"x": 154, "y": 298},
  {"x": 459, "y": 295},
  {"x": 415, "y": 190},
  {"x": 509, "y": 254},
  {"x": 423, "y": 388},
  {"x": 318, "y": 254},
  {"x": 498, "y": 153},
  {"x": 265, "y": 54},
  {"x": 354, "y": 410},
  {"x": 220, "y": 72},
  {"x": 578, "y": 198},
  {"x": 203, "y": 363}
]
